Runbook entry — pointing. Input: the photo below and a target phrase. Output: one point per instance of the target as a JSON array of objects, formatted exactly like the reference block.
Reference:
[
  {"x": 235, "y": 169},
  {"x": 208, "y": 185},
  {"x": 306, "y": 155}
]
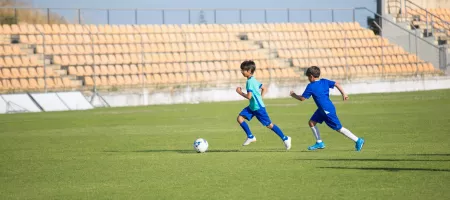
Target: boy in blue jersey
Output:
[
  {"x": 319, "y": 89},
  {"x": 256, "y": 107}
]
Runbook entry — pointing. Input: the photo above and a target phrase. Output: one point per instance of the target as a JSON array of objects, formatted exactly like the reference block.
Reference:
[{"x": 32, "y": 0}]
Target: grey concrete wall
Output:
[{"x": 274, "y": 91}]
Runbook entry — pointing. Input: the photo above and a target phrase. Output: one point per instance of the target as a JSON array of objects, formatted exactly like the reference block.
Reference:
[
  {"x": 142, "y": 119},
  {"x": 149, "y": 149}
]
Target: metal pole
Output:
[
  {"x": 240, "y": 16},
  {"x": 48, "y": 15},
  {"x": 310, "y": 15},
  {"x": 405, "y": 14},
  {"x": 79, "y": 16},
  {"x": 354, "y": 14},
  {"x": 345, "y": 52},
  {"x": 135, "y": 16},
  {"x": 189, "y": 16},
  {"x": 288, "y": 15},
  {"x": 265, "y": 15},
  {"x": 215, "y": 16},
  {"x": 382, "y": 49},
  {"x": 107, "y": 16},
  {"x": 332, "y": 15},
  {"x": 94, "y": 75},
  {"x": 163, "y": 18},
  {"x": 45, "y": 67},
  {"x": 15, "y": 15},
  {"x": 417, "y": 53},
  {"x": 426, "y": 21}
]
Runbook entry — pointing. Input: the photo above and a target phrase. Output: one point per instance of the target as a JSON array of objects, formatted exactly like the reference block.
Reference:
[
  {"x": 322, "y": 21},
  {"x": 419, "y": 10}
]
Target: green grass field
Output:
[{"x": 146, "y": 152}]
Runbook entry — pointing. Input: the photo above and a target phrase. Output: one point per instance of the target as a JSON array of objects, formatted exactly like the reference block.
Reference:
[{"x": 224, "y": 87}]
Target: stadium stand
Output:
[{"x": 79, "y": 56}]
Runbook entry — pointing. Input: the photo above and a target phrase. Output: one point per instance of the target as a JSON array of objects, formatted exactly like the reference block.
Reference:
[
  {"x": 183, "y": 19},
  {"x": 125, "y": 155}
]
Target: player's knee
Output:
[
  {"x": 311, "y": 123},
  {"x": 270, "y": 126},
  {"x": 240, "y": 119}
]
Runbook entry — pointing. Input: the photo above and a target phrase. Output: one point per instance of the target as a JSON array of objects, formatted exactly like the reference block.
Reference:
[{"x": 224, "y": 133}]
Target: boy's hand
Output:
[
  {"x": 344, "y": 97},
  {"x": 292, "y": 93},
  {"x": 239, "y": 90}
]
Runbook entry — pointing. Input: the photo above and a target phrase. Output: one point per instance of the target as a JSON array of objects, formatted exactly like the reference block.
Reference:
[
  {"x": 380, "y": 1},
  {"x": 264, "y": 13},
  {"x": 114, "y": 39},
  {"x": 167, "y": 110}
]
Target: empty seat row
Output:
[
  {"x": 138, "y": 48},
  {"x": 170, "y": 28},
  {"x": 21, "y": 61},
  {"x": 212, "y": 76},
  {"x": 376, "y": 70},
  {"x": 341, "y": 43},
  {"x": 162, "y": 68},
  {"x": 155, "y": 57},
  {"x": 125, "y": 38},
  {"x": 36, "y": 83},
  {"x": 333, "y": 52},
  {"x": 357, "y": 60},
  {"x": 11, "y": 49},
  {"x": 311, "y": 35},
  {"x": 27, "y": 72}
]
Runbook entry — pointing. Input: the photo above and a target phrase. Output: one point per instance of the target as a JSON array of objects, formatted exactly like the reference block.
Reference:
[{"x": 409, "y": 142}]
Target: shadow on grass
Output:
[
  {"x": 375, "y": 159},
  {"x": 187, "y": 151},
  {"x": 390, "y": 169},
  {"x": 436, "y": 154}
]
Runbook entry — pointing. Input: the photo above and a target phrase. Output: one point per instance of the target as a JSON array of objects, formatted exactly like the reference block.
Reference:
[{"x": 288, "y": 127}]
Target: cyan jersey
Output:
[
  {"x": 320, "y": 91},
  {"x": 254, "y": 87}
]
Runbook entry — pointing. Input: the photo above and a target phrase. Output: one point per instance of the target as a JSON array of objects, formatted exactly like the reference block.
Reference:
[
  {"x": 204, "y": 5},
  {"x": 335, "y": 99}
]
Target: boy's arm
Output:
[
  {"x": 341, "y": 90},
  {"x": 247, "y": 96},
  {"x": 295, "y": 96},
  {"x": 263, "y": 90}
]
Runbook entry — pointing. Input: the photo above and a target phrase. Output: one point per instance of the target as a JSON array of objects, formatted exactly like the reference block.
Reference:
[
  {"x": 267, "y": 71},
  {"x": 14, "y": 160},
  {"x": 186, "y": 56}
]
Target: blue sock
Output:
[
  {"x": 279, "y": 132},
  {"x": 244, "y": 126}
]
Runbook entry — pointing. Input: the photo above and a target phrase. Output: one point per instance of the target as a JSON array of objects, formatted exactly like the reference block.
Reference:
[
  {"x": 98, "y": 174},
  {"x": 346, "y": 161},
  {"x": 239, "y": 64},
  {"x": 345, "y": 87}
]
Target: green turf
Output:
[{"x": 146, "y": 152}]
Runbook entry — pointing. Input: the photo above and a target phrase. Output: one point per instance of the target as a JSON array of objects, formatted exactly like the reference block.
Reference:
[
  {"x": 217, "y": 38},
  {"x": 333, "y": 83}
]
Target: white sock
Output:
[
  {"x": 348, "y": 133},
  {"x": 316, "y": 133}
]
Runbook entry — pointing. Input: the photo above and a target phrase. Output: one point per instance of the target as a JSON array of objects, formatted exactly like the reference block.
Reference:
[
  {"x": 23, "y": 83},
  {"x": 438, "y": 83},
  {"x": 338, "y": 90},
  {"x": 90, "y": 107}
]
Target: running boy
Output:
[
  {"x": 319, "y": 89},
  {"x": 256, "y": 107}
]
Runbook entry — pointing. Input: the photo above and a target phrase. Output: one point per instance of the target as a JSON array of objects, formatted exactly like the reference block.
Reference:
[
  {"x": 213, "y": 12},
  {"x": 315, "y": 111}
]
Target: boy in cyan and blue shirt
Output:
[
  {"x": 255, "y": 92},
  {"x": 319, "y": 89}
]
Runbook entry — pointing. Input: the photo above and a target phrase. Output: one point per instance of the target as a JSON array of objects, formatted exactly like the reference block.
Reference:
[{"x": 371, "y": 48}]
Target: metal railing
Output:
[{"x": 141, "y": 15}]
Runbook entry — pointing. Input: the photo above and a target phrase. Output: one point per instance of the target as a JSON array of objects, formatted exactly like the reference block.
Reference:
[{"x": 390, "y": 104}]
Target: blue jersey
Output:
[
  {"x": 320, "y": 91},
  {"x": 254, "y": 87}
]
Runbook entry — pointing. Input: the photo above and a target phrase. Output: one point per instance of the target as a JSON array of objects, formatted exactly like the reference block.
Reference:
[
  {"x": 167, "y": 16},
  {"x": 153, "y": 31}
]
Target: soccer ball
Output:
[{"x": 200, "y": 145}]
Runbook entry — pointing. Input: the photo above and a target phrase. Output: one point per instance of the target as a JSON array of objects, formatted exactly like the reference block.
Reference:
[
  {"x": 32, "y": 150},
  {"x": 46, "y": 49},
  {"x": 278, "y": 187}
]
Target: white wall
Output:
[{"x": 274, "y": 91}]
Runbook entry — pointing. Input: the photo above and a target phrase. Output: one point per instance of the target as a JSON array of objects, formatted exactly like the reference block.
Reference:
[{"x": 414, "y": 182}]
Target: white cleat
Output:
[
  {"x": 249, "y": 140},
  {"x": 287, "y": 143}
]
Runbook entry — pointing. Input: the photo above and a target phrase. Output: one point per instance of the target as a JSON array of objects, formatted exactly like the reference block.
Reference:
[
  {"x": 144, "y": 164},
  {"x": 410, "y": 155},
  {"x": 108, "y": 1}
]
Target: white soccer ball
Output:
[{"x": 200, "y": 145}]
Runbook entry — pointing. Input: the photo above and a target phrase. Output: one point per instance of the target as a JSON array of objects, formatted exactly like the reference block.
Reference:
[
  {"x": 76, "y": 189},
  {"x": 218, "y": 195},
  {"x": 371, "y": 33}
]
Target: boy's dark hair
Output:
[
  {"x": 248, "y": 65},
  {"x": 314, "y": 71}
]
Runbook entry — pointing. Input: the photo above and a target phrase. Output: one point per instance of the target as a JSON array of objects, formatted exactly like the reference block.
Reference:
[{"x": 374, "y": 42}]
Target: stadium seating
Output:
[
  {"x": 77, "y": 56},
  {"x": 426, "y": 19}
]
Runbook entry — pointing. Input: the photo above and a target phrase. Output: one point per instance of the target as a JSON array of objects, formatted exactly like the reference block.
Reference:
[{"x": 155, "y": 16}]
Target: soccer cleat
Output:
[
  {"x": 287, "y": 143},
  {"x": 359, "y": 144},
  {"x": 249, "y": 140},
  {"x": 317, "y": 145}
]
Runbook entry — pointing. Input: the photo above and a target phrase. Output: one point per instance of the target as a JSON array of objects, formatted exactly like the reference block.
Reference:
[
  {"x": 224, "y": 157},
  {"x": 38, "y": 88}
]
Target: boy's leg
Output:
[
  {"x": 264, "y": 118},
  {"x": 316, "y": 118},
  {"x": 334, "y": 123},
  {"x": 315, "y": 130},
  {"x": 246, "y": 113}
]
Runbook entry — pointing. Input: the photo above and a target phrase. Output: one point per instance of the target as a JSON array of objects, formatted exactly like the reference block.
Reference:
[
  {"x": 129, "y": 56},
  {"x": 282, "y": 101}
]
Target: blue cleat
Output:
[
  {"x": 317, "y": 145},
  {"x": 359, "y": 144}
]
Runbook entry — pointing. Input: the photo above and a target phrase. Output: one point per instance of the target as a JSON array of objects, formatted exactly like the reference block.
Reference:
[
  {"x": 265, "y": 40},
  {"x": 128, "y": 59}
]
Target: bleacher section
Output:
[
  {"x": 436, "y": 18},
  {"x": 77, "y": 56}
]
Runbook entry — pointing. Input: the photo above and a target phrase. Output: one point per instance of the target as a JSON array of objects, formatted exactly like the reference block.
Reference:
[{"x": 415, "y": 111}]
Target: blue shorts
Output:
[
  {"x": 330, "y": 119},
  {"x": 260, "y": 114}
]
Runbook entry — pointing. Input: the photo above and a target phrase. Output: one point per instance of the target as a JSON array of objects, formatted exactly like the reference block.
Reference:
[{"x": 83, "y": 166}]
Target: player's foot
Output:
[
  {"x": 317, "y": 145},
  {"x": 248, "y": 141},
  {"x": 359, "y": 144},
  {"x": 287, "y": 143}
]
